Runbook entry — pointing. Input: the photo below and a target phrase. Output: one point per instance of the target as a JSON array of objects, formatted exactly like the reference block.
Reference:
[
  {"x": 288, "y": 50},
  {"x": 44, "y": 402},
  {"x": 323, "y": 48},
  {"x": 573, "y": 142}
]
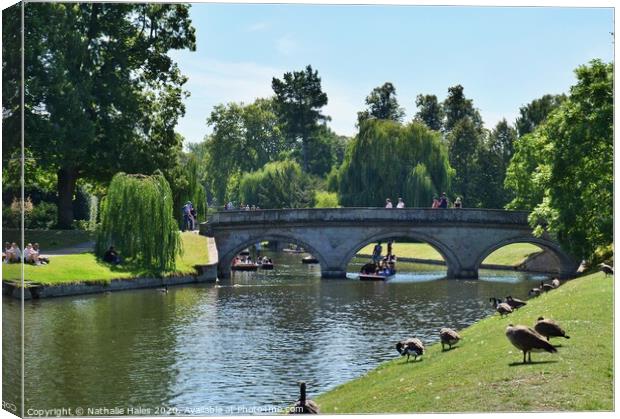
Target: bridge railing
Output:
[{"x": 367, "y": 215}]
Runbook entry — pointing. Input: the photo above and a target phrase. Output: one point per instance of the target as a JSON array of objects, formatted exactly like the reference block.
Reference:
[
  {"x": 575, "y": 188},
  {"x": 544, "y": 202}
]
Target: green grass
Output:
[
  {"x": 85, "y": 267},
  {"x": 483, "y": 373},
  {"x": 511, "y": 255},
  {"x": 49, "y": 239}
]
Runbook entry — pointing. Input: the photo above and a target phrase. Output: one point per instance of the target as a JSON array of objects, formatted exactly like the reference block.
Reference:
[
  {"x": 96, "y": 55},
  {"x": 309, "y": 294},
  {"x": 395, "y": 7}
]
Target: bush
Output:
[
  {"x": 42, "y": 216},
  {"x": 324, "y": 199}
]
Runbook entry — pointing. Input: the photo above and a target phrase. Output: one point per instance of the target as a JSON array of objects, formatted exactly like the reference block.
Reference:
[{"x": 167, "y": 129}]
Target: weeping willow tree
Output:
[
  {"x": 137, "y": 219},
  {"x": 388, "y": 159},
  {"x": 280, "y": 184},
  {"x": 186, "y": 186}
]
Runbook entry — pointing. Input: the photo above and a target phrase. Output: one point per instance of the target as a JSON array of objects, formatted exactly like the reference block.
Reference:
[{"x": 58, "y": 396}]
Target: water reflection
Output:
[{"x": 246, "y": 341}]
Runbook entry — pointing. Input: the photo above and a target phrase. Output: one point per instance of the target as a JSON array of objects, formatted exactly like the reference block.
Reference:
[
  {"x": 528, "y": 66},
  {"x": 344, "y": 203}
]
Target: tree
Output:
[
  {"x": 244, "y": 139},
  {"x": 535, "y": 112},
  {"x": 387, "y": 159},
  {"x": 280, "y": 184},
  {"x": 298, "y": 102},
  {"x": 186, "y": 183},
  {"x": 464, "y": 144},
  {"x": 572, "y": 151},
  {"x": 102, "y": 94},
  {"x": 430, "y": 111},
  {"x": 382, "y": 104},
  {"x": 11, "y": 82},
  {"x": 137, "y": 219},
  {"x": 457, "y": 106},
  {"x": 493, "y": 158}
]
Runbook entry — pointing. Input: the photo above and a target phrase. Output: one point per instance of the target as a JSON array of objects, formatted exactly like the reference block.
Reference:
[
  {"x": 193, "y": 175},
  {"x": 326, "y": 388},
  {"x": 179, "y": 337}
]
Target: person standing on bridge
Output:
[
  {"x": 458, "y": 203},
  {"x": 388, "y": 203},
  {"x": 401, "y": 203},
  {"x": 435, "y": 202},
  {"x": 443, "y": 201}
]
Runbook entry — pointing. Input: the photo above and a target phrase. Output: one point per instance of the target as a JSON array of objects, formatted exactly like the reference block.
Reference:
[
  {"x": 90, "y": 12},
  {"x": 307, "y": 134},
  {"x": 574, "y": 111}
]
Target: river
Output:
[{"x": 236, "y": 347}]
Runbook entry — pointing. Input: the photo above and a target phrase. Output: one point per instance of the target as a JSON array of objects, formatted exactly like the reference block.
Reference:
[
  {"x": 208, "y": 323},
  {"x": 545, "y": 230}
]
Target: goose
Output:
[
  {"x": 555, "y": 283},
  {"x": 549, "y": 328},
  {"x": 545, "y": 287},
  {"x": 528, "y": 341},
  {"x": 502, "y": 308},
  {"x": 413, "y": 346},
  {"x": 609, "y": 270},
  {"x": 448, "y": 337},
  {"x": 582, "y": 267},
  {"x": 164, "y": 289},
  {"x": 534, "y": 292},
  {"x": 303, "y": 405},
  {"x": 515, "y": 302}
]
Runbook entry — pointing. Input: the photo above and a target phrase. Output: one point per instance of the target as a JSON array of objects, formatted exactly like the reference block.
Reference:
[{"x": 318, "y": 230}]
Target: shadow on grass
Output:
[{"x": 516, "y": 364}]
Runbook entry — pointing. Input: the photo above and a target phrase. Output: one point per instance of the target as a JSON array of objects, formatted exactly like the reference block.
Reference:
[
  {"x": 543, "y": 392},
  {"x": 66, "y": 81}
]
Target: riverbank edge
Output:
[
  {"x": 435, "y": 347},
  {"x": 521, "y": 267},
  {"x": 206, "y": 273}
]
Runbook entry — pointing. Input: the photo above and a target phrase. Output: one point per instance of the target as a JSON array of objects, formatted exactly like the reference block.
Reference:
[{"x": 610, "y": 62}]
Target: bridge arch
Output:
[
  {"x": 446, "y": 253},
  {"x": 565, "y": 265},
  {"x": 228, "y": 256}
]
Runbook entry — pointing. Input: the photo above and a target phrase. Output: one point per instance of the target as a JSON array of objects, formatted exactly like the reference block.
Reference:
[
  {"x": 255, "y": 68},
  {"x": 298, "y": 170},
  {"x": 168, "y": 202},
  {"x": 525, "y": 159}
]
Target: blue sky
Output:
[{"x": 504, "y": 57}]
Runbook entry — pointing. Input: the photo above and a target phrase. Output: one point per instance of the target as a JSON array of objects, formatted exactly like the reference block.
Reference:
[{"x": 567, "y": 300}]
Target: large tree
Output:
[
  {"x": 101, "y": 92},
  {"x": 464, "y": 146},
  {"x": 388, "y": 159},
  {"x": 566, "y": 165},
  {"x": 244, "y": 138},
  {"x": 298, "y": 100},
  {"x": 430, "y": 111},
  {"x": 456, "y": 107},
  {"x": 535, "y": 112},
  {"x": 382, "y": 104}
]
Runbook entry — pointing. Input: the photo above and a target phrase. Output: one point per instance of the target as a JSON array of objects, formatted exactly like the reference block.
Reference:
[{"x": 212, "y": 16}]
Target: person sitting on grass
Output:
[
  {"x": 110, "y": 256},
  {"x": 13, "y": 254},
  {"x": 30, "y": 255},
  {"x": 42, "y": 259}
]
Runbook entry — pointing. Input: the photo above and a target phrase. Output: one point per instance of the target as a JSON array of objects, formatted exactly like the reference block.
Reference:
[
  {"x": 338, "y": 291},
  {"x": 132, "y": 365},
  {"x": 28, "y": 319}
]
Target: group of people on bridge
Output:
[{"x": 438, "y": 202}]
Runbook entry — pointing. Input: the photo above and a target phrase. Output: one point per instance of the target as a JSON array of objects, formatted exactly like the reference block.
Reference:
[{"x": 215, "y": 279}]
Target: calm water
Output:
[{"x": 239, "y": 345}]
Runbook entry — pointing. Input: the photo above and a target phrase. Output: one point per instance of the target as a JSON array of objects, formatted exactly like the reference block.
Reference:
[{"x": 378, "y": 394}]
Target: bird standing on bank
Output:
[
  {"x": 549, "y": 328},
  {"x": 503, "y": 309},
  {"x": 528, "y": 341},
  {"x": 304, "y": 405},
  {"x": 448, "y": 337},
  {"x": 413, "y": 346},
  {"x": 515, "y": 302},
  {"x": 609, "y": 270}
]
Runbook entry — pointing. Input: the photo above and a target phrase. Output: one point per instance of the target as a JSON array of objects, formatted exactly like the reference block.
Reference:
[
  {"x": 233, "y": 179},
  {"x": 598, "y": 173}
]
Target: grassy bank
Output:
[
  {"x": 49, "y": 239},
  {"x": 484, "y": 372},
  {"x": 511, "y": 255},
  {"x": 86, "y": 267}
]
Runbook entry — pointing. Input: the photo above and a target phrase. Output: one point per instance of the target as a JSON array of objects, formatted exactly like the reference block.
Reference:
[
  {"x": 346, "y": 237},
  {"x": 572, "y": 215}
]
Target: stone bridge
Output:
[{"x": 464, "y": 237}]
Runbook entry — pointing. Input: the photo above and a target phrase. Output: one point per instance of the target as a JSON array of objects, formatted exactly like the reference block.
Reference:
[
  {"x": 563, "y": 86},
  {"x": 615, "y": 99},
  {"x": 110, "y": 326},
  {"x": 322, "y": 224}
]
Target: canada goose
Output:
[
  {"x": 609, "y": 270},
  {"x": 549, "y": 328},
  {"x": 514, "y": 302},
  {"x": 527, "y": 340},
  {"x": 164, "y": 289},
  {"x": 582, "y": 267},
  {"x": 448, "y": 337},
  {"x": 534, "y": 291},
  {"x": 413, "y": 346},
  {"x": 555, "y": 283},
  {"x": 545, "y": 287},
  {"x": 502, "y": 308},
  {"x": 303, "y": 405}
]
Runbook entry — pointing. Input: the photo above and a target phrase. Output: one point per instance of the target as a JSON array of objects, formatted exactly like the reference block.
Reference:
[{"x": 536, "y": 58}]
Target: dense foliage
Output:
[
  {"x": 382, "y": 104},
  {"x": 563, "y": 170},
  {"x": 279, "y": 184},
  {"x": 137, "y": 219},
  {"x": 101, "y": 92},
  {"x": 388, "y": 159}
]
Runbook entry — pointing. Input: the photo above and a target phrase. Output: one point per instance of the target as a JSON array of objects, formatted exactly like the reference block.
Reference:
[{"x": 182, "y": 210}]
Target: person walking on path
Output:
[{"x": 188, "y": 221}]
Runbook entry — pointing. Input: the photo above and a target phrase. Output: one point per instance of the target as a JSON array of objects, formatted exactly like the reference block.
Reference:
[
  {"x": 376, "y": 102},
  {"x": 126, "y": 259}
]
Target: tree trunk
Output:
[{"x": 67, "y": 177}]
